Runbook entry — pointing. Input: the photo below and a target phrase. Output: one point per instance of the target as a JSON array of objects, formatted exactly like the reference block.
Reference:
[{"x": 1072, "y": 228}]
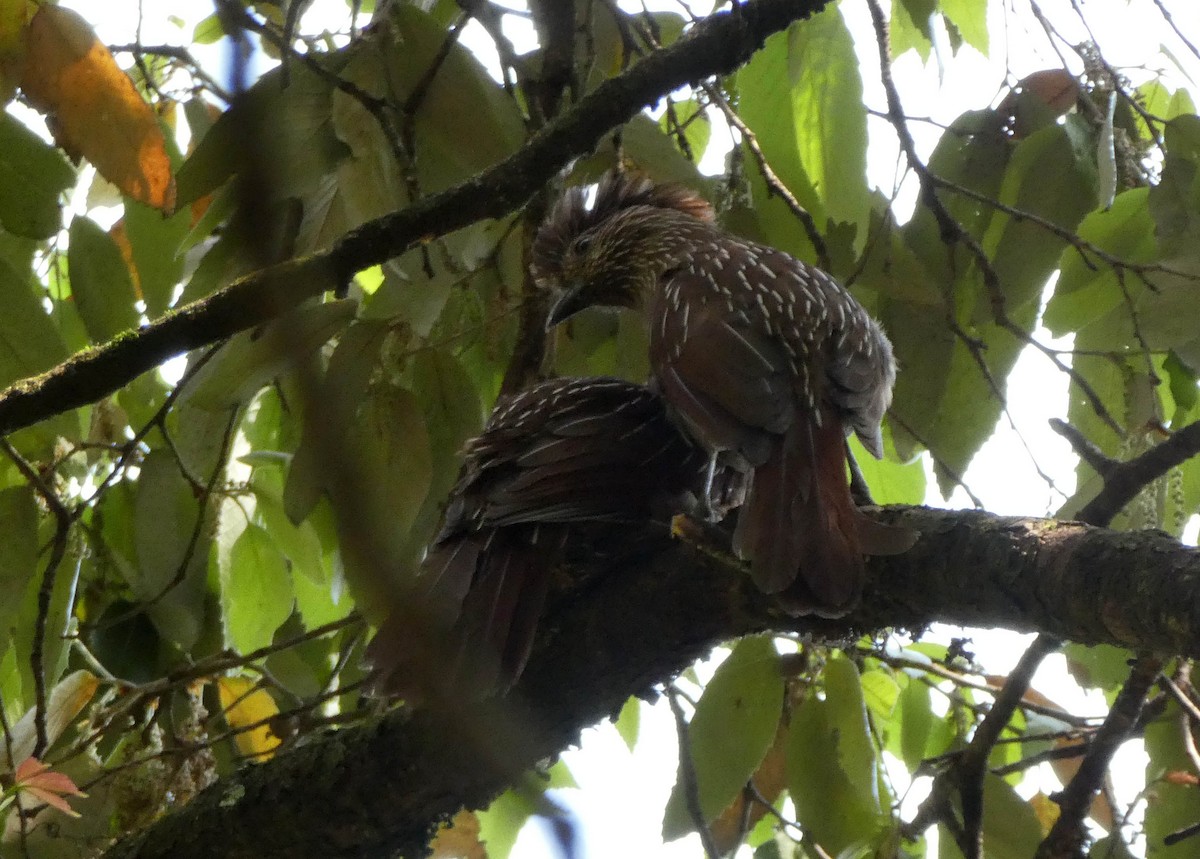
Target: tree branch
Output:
[
  {"x": 718, "y": 45},
  {"x": 380, "y": 788}
]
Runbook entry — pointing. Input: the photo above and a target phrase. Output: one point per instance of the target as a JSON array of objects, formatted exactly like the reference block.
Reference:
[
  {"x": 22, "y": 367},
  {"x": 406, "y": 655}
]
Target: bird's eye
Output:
[{"x": 583, "y": 243}]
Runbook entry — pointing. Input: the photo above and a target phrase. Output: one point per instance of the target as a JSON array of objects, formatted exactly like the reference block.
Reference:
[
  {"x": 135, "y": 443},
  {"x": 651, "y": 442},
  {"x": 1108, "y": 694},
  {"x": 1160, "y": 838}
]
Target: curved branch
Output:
[
  {"x": 380, "y": 788},
  {"x": 718, "y": 45}
]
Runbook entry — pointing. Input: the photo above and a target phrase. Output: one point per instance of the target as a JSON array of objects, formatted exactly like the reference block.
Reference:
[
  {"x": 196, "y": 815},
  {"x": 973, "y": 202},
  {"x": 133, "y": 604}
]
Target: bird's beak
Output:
[{"x": 567, "y": 305}]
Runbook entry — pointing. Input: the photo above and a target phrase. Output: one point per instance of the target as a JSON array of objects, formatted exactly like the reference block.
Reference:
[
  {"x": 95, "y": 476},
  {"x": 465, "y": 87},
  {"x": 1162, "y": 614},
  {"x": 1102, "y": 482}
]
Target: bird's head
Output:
[{"x": 612, "y": 252}]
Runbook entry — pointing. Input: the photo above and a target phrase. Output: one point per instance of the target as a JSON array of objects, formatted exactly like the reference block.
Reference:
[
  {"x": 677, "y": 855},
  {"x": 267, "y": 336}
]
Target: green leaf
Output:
[
  {"x": 1085, "y": 292},
  {"x": 29, "y": 344},
  {"x": 155, "y": 242},
  {"x": 891, "y": 482},
  {"x": 1166, "y": 313},
  {"x": 909, "y": 27},
  {"x": 970, "y": 17},
  {"x": 171, "y": 569},
  {"x": 974, "y": 154},
  {"x": 1099, "y": 666},
  {"x": 32, "y": 174},
  {"x": 59, "y": 623},
  {"x": 500, "y": 824},
  {"x": 629, "y": 722},
  {"x": 385, "y": 477},
  {"x": 831, "y": 809},
  {"x": 283, "y": 137},
  {"x": 1010, "y": 826},
  {"x": 649, "y": 146},
  {"x": 256, "y": 590},
  {"x": 100, "y": 282},
  {"x": 830, "y": 122},
  {"x": 1183, "y": 388},
  {"x": 453, "y": 414},
  {"x": 916, "y": 722},
  {"x": 18, "y": 561},
  {"x": 469, "y": 103},
  {"x": 341, "y": 393},
  {"x": 697, "y": 130},
  {"x": 734, "y": 725},
  {"x": 1175, "y": 200},
  {"x": 1044, "y": 177},
  {"x": 253, "y": 358},
  {"x": 773, "y": 120},
  {"x": 1174, "y": 805},
  {"x": 847, "y": 710},
  {"x": 298, "y": 543}
]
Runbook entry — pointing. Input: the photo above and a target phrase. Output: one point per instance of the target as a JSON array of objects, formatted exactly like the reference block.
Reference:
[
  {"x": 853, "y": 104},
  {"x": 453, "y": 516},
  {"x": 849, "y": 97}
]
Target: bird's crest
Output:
[{"x": 572, "y": 217}]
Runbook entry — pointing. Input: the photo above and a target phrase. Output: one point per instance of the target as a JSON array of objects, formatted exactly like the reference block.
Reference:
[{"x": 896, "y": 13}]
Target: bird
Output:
[
  {"x": 767, "y": 363},
  {"x": 567, "y": 458}
]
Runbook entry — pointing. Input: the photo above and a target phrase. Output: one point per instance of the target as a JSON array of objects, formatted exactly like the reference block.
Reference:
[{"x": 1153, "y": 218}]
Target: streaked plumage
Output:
[
  {"x": 555, "y": 459},
  {"x": 766, "y": 361}
]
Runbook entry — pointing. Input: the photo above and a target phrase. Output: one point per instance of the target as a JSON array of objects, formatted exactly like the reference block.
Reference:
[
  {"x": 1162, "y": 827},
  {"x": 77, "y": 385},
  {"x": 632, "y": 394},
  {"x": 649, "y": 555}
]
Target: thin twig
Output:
[
  {"x": 58, "y": 549},
  {"x": 1068, "y": 833},
  {"x": 687, "y": 772},
  {"x": 952, "y": 232},
  {"x": 970, "y": 768}
]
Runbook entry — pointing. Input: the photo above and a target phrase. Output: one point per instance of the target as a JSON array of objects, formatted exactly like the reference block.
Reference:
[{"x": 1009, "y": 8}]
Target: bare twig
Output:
[
  {"x": 1124, "y": 480},
  {"x": 1067, "y": 836},
  {"x": 971, "y": 766},
  {"x": 952, "y": 232},
  {"x": 687, "y": 772},
  {"x": 58, "y": 550},
  {"x": 774, "y": 183}
]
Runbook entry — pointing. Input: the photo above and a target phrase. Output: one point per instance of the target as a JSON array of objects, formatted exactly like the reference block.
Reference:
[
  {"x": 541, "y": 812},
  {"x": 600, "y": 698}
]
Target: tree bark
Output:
[{"x": 378, "y": 789}]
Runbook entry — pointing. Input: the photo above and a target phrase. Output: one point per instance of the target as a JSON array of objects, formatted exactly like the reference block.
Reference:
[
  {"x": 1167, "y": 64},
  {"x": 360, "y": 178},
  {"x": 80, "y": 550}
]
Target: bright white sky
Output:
[{"x": 620, "y": 807}]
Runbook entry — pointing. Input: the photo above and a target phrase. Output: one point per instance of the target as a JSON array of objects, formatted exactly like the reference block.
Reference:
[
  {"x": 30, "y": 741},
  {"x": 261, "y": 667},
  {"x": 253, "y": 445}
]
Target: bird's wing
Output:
[
  {"x": 728, "y": 380},
  {"x": 605, "y": 462}
]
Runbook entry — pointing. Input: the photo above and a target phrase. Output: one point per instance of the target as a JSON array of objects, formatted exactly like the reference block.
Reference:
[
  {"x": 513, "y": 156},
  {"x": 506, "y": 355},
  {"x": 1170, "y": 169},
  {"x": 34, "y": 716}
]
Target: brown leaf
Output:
[
  {"x": 1179, "y": 777},
  {"x": 1057, "y": 88},
  {"x": 458, "y": 839},
  {"x": 93, "y": 108},
  {"x": 120, "y": 237}
]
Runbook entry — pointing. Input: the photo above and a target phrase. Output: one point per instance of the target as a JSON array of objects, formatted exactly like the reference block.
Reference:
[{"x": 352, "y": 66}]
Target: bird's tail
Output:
[
  {"x": 466, "y": 630},
  {"x": 800, "y": 529}
]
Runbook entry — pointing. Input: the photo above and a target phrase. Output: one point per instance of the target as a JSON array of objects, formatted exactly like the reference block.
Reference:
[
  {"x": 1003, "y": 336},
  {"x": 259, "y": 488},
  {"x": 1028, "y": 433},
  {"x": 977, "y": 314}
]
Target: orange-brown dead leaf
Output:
[
  {"x": 458, "y": 839},
  {"x": 93, "y": 108},
  {"x": 120, "y": 238},
  {"x": 1056, "y": 88},
  {"x": 1179, "y": 777}
]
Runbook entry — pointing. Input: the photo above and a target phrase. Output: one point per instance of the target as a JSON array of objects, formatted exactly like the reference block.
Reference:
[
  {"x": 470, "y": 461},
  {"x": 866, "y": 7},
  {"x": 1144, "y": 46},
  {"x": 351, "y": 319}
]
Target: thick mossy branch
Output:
[
  {"x": 378, "y": 789},
  {"x": 716, "y": 46}
]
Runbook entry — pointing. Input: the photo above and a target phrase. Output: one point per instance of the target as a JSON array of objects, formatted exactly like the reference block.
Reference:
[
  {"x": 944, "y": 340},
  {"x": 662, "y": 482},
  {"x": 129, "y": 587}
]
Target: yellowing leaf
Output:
[
  {"x": 1046, "y": 809},
  {"x": 93, "y": 107},
  {"x": 67, "y": 699},
  {"x": 244, "y": 705}
]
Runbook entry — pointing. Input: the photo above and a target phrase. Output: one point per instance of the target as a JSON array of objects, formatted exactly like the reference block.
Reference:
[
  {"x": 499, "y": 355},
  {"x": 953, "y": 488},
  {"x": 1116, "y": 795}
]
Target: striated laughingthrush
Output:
[{"x": 767, "y": 363}]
